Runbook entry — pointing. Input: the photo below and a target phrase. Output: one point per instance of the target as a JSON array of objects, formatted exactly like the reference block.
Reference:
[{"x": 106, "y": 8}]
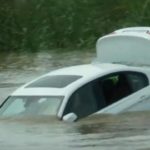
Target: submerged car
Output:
[{"x": 120, "y": 70}]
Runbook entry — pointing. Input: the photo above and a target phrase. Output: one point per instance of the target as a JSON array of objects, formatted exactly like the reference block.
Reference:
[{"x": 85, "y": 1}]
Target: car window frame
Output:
[{"x": 99, "y": 79}]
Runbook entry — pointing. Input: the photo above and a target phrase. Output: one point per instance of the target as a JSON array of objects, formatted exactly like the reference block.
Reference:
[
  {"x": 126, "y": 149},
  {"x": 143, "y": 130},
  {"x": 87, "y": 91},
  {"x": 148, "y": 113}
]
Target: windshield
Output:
[{"x": 31, "y": 105}]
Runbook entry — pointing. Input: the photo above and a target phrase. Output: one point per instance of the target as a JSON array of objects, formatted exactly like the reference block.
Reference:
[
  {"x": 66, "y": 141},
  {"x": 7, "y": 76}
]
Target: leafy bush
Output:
[{"x": 32, "y": 25}]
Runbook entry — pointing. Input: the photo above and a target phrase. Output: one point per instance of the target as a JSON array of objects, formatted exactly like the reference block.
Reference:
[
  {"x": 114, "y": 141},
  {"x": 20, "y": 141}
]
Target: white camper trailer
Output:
[{"x": 108, "y": 85}]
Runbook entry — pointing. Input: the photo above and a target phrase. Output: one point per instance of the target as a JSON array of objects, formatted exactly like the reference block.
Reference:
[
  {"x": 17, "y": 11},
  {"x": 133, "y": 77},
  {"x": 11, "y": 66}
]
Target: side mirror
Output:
[{"x": 71, "y": 117}]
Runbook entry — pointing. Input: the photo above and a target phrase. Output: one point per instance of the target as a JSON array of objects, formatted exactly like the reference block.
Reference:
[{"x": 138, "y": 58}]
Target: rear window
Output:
[{"x": 57, "y": 81}]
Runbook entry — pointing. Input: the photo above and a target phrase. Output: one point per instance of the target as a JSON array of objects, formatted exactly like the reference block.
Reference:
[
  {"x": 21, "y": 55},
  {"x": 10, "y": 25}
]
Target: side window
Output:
[
  {"x": 115, "y": 87},
  {"x": 120, "y": 85},
  {"x": 137, "y": 81},
  {"x": 84, "y": 101}
]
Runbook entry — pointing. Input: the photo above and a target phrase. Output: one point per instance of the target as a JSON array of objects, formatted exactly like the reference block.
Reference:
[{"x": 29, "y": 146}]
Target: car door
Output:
[
  {"x": 104, "y": 91},
  {"x": 138, "y": 101}
]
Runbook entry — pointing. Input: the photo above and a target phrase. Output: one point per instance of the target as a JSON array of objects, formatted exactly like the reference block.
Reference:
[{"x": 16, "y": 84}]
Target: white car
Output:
[{"x": 107, "y": 85}]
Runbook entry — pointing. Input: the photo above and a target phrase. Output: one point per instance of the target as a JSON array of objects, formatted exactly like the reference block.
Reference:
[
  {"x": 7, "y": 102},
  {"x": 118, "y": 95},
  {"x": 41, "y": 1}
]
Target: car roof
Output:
[
  {"x": 87, "y": 69},
  {"x": 87, "y": 72}
]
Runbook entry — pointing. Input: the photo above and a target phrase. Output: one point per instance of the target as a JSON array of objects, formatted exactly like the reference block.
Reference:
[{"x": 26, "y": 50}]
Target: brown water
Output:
[
  {"x": 16, "y": 69},
  {"x": 102, "y": 132}
]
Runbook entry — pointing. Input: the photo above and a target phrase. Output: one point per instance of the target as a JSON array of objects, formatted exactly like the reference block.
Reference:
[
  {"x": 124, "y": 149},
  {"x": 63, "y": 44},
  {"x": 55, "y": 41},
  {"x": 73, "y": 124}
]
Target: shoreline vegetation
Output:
[{"x": 36, "y": 25}]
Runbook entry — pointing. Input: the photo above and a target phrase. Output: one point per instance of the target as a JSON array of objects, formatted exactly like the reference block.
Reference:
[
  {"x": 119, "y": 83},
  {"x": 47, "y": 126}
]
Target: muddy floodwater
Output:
[{"x": 129, "y": 131}]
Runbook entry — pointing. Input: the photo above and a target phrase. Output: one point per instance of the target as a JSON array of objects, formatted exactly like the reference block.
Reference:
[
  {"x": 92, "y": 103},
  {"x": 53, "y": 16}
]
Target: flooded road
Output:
[
  {"x": 128, "y": 131},
  {"x": 107, "y": 132}
]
